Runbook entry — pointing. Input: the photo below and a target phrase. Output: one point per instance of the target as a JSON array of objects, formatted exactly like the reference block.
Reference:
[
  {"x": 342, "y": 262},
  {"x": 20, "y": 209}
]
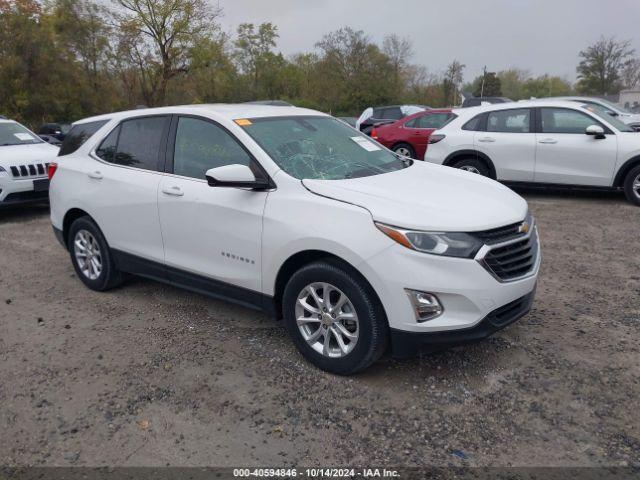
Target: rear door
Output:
[
  {"x": 566, "y": 155},
  {"x": 510, "y": 143},
  {"x": 123, "y": 186}
]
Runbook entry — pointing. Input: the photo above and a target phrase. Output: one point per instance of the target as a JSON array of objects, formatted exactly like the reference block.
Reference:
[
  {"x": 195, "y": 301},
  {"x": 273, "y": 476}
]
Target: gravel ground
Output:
[{"x": 152, "y": 375}]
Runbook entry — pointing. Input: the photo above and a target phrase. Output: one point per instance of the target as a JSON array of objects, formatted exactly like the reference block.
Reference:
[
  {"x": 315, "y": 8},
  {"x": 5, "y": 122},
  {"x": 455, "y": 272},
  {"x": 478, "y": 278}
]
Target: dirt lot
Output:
[{"x": 152, "y": 375}]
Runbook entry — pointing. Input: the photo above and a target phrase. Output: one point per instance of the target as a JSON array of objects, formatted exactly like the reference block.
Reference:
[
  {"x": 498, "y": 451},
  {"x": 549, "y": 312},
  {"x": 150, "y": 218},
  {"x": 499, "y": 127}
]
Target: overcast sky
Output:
[{"x": 542, "y": 36}]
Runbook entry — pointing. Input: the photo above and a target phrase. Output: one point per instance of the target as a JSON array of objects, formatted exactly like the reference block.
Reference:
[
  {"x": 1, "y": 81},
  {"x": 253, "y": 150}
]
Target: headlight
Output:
[{"x": 454, "y": 244}]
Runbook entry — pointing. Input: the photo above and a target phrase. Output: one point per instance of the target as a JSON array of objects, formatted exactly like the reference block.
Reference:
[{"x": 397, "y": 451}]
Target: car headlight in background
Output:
[{"x": 453, "y": 244}]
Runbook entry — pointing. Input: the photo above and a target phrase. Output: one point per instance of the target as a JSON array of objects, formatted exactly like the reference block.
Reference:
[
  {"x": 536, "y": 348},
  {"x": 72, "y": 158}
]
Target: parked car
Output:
[
  {"x": 291, "y": 211},
  {"x": 53, "y": 133},
  {"x": 375, "y": 116},
  {"x": 478, "y": 101},
  {"x": 409, "y": 136},
  {"x": 624, "y": 115},
  {"x": 351, "y": 121},
  {"x": 543, "y": 142},
  {"x": 24, "y": 159}
]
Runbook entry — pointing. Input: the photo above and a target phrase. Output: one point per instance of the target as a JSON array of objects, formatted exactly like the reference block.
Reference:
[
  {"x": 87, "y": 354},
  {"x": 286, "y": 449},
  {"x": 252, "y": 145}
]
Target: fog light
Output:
[{"x": 426, "y": 305}]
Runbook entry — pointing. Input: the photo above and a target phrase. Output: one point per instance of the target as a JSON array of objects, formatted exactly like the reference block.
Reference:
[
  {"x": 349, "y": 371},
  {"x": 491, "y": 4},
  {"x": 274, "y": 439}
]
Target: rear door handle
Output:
[
  {"x": 96, "y": 175},
  {"x": 487, "y": 140},
  {"x": 548, "y": 141},
  {"x": 174, "y": 191}
]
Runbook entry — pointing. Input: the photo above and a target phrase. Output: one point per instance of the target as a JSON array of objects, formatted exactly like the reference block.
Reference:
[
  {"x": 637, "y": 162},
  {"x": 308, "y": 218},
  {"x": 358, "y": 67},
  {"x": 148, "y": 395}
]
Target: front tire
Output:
[
  {"x": 632, "y": 185},
  {"x": 91, "y": 256},
  {"x": 334, "y": 318},
  {"x": 472, "y": 165}
]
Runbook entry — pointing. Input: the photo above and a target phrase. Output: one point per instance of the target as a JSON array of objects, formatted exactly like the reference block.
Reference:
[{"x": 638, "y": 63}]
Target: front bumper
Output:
[
  {"x": 21, "y": 191},
  {"x": 407, "y": 344}
]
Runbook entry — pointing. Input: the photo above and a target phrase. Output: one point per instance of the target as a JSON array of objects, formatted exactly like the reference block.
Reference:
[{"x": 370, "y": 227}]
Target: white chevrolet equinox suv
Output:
[
  {"x": 293, "y": 212},
  {"x": 547, "y": 142}
]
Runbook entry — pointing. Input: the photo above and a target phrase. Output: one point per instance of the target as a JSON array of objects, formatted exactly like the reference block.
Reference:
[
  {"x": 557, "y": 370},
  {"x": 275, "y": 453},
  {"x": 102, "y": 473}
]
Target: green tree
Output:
[
  {"x": 254, "y": 51},
  {"x": 487, "y": 85},
  {"x": 546, "y": 86},
  {"x": 157, "y": 36},
  {"x": 601, "y": 66}
]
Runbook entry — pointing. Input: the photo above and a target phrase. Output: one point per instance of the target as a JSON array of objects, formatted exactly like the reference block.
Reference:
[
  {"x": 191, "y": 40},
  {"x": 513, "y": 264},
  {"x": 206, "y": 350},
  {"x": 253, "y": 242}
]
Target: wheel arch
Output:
[
  {"x": 460, "y": 154},
  {"x": 298, "y": 260},
  {"x": 624, "y": 170},
  {"x": 71, "y": 216}
]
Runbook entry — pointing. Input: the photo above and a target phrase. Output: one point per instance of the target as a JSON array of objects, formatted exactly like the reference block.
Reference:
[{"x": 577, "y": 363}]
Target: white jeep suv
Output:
[
  {"x": 24, "y": 159},
  {"x": 292, "y": 212},
  {"x": 544, "y": 142}
]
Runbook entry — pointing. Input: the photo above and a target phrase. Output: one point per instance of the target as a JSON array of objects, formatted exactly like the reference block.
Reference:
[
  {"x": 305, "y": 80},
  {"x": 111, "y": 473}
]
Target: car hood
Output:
[
  {"x": 24, "y": 154},
  {"x": 429, "y": 197}
]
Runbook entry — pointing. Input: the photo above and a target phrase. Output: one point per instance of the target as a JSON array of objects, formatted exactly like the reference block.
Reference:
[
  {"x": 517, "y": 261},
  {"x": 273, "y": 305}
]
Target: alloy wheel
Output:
[
  {"x": 404, "y": 151},
  {"x": 327, "y": 320},
  {"x": 636, "y": 186},
  {"x": 470, "y": 168},
  {"x": 87, "y": 252}
]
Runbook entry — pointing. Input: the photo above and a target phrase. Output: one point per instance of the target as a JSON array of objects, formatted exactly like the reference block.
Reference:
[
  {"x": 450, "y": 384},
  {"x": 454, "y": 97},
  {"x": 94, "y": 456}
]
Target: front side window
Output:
[
  {"x": 78, "y": 135},
  {"x": 12, "y": 133},
  {"x": 201, "y": 145},
  {"x": 564, "y": 120},
  {"x": 320, "y": 148},
  {"x": 139, "y": 142},
  {"x": 509, "y": 121}
]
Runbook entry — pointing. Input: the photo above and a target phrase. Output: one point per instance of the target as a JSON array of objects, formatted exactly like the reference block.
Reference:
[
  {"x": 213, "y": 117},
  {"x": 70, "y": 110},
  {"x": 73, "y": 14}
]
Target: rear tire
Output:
[
  {"x": 405, "y": 149},
  {"x": 344, "y": 309},
  {"x": 91, "y": 257},
  {"x": 472, "y": 165},
  {"x": 632, "y": 186}
]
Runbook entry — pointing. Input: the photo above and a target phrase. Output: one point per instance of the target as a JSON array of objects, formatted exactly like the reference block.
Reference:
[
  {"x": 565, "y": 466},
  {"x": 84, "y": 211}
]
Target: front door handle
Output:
[
  {"x": 96, "y": 175},
  {"x": 173, "y": 191},
  {"x": 549, "y": 141},
  {"x": 487, "y": 140}
]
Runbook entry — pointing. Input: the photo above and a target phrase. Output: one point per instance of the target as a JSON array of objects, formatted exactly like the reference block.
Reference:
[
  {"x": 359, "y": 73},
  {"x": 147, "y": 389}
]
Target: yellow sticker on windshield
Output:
[{"x": 243, "y": 122}]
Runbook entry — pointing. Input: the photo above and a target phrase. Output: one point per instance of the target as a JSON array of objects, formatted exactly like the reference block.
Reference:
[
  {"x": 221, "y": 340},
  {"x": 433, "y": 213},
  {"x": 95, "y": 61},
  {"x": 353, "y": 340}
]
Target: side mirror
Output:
[
  {"x": 235, "y": 176},
  {"x": 596, "y": 131}
]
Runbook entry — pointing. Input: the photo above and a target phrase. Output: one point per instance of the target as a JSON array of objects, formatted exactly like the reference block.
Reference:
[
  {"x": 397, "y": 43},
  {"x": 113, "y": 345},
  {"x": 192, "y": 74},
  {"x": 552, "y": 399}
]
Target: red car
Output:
[{"x": 410, "y": 135}]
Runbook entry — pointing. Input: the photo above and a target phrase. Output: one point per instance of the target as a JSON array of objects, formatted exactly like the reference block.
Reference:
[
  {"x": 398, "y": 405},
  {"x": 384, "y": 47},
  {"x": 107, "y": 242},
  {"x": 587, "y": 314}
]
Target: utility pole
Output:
[{"x": 484, "y": 74}]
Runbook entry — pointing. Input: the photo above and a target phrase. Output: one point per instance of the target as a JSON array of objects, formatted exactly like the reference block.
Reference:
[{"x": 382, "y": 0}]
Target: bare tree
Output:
[
  {"x": 452, "y": 80},
  {"x": 630, "y": 75},
  {"x": 400, "y": 51}
]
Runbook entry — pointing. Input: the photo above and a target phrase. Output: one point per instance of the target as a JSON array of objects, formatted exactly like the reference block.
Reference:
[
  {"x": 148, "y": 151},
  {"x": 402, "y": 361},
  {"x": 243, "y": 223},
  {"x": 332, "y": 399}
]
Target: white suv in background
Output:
[
  {"x": 544, "y": 142},
  {"x": 24, "y": 159},
  {"x": 291, "y": 211},
  {"x": 625, "y": 116}
]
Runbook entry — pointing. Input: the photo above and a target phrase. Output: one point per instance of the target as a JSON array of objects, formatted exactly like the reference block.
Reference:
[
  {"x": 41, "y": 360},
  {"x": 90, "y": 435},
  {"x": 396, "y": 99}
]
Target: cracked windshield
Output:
[{"x": 320, "y": 148}]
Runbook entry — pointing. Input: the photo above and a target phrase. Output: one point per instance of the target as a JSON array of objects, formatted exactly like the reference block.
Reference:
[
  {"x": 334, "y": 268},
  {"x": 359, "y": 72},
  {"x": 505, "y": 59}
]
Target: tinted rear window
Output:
[
  {"x": 475, "y": 124},
  {"x": 139, "y": 142},
  {"x": 78, "y": 135}
]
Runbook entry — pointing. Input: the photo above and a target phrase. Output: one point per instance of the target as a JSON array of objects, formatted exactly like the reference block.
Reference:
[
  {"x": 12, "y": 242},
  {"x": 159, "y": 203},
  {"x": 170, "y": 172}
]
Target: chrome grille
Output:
[
  {"x": 510, "y": 255},
  {"x": 31, "y": 170}
]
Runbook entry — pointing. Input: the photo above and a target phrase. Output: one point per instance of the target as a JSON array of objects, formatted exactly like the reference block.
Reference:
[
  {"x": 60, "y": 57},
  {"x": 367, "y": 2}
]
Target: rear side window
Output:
[
  {"x": 107, "y": 149},
  {"x": 135, "y": 143},
  {"x": 78, "y": 135},
  {"x": 432, "y": 120},
  {"x": 510, "y": 121},
  {"x": 475, "y": 124}
]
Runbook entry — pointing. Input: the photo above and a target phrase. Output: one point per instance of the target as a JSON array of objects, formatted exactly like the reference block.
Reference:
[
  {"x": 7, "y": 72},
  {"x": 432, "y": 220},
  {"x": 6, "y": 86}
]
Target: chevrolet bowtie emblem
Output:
[{"x": 524, "y": 228}]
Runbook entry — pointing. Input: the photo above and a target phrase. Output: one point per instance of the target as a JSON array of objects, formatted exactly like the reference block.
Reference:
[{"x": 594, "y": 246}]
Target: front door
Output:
[
  {"x": 211, "y": 233},
  {"x": 566, "y": 155}
]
